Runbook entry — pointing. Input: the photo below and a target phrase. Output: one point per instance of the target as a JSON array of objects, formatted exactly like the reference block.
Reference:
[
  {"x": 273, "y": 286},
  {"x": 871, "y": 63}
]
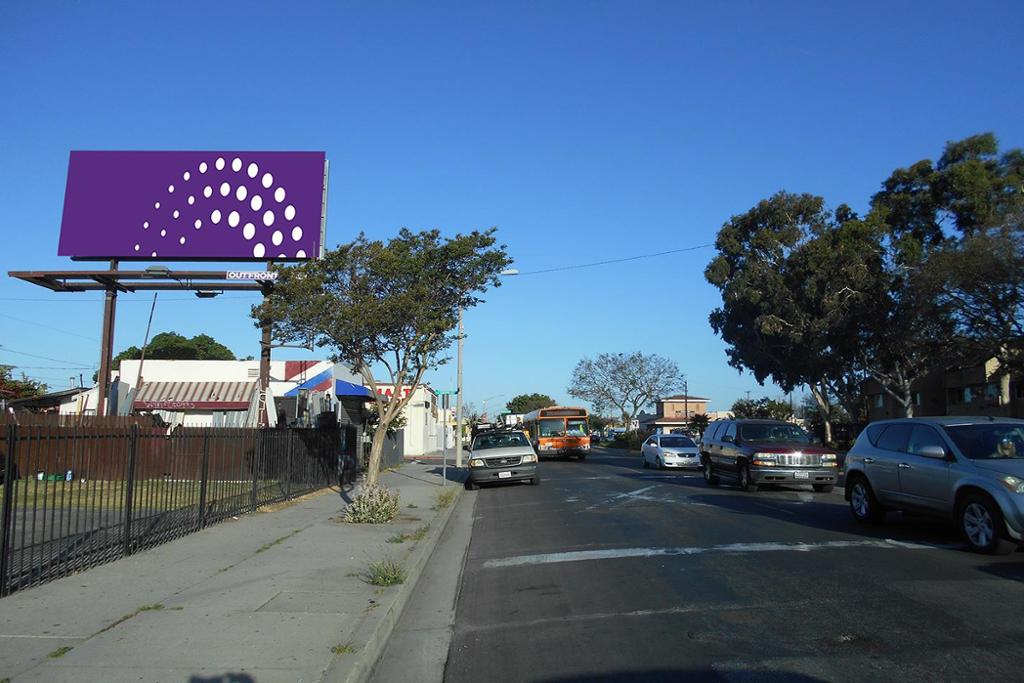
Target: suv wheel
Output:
[
  {"x": 471, "y": 485},
  {"x": 863, "y": 504},
  {"x": 982, "y": 525},
  {"x": 745, "y": 483},
  {"x": 535, "y": 481},
  {"x": 709, "y": 474}
]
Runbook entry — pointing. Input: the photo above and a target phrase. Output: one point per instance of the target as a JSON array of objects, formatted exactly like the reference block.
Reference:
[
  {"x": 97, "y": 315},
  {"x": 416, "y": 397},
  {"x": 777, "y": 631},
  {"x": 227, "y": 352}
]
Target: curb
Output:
[{"x": 371, "y": 636}]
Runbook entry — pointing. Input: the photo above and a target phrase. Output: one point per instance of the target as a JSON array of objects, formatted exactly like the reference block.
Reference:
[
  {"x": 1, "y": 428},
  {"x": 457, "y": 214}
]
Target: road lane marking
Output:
[
  {"x": 729, "y": 548},
  {"x": 626, "y": 497},
  {"x": 504, "y": 625}
]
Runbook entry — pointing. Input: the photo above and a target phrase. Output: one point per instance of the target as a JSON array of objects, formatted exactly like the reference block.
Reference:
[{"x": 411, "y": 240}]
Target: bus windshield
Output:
[
  {"x": 576, "y": 427},
  {"x": 554, "y": 426}
]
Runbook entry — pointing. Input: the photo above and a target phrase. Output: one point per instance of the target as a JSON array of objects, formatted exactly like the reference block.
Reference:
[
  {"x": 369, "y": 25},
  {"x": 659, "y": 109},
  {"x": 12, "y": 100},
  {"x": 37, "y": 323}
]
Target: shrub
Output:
[
  {"x": 386, "y": 572},
  {"x": 375, "y": 505},
  {"x": 445, "y": 498}
]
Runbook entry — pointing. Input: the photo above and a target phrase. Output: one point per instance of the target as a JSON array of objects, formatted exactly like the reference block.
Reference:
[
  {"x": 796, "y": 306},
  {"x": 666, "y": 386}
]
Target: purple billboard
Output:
[{"x": 197, "y": 206}]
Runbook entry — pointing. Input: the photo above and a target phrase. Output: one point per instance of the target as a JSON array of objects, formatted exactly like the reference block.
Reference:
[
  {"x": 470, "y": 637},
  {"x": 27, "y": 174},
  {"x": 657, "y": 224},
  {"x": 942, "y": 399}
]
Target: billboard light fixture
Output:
[
  {"x": 157, "y": 271},
  {"x": 208, "y": 293}
]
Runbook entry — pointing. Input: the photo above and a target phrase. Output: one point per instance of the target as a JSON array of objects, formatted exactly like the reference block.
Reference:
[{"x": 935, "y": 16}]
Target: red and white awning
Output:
[{"x": 194, "y": 396}]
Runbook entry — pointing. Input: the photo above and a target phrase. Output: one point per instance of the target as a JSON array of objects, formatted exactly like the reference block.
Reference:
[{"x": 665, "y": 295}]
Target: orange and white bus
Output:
[{"x": 558, "y": 430}]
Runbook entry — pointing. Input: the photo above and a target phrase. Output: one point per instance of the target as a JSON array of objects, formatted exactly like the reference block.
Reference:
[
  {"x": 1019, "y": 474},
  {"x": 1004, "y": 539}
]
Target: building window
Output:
[
  {"x": 954, "y": 396},
  {"x": 918, "y": 398},
  {"x": 1018, "y": 390},
  {"x": 992, "y": 392},
  {"x": 879, "y": 400}
]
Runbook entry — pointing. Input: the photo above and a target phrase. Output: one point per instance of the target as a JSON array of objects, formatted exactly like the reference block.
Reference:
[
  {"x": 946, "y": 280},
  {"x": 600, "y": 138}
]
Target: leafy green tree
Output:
[
  {"x": 762, "y": 409},
  {"x": 385, "y": 307},
  {"x": 793, "y": 276},
  {"x": 11, "y": 388},
  {"x": 624, "y": 382},
  {"x": 173, "y": 346},
  {"x": 700, "y": 422},
  {"x": 981, "y": 281},
  {"x": 524, "y": 403},
  {"x": 951, "y": 265}
]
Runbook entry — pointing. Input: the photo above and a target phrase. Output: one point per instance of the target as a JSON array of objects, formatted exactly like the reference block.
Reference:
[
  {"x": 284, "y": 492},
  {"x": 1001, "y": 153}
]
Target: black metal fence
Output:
[{"x": 81, "y": 495}]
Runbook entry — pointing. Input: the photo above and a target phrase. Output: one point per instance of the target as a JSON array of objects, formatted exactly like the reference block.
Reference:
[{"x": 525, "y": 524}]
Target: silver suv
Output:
[{"x": 969, "y": 469}]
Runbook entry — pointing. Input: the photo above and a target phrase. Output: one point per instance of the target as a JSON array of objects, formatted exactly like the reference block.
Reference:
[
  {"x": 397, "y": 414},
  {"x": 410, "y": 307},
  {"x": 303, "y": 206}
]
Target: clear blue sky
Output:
[{"x": 583, "y": 130}]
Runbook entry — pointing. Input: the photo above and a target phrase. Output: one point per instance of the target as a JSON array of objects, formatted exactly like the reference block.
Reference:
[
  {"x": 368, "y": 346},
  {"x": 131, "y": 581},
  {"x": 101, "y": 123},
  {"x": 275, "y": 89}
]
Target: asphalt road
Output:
[{"x": 610, "y": 572}]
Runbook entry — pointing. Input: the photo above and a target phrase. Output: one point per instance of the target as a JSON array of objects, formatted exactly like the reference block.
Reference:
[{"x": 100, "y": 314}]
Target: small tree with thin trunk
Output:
[
  {"x": 625, "y": 382},
  {"x": 385, "y": 305}
]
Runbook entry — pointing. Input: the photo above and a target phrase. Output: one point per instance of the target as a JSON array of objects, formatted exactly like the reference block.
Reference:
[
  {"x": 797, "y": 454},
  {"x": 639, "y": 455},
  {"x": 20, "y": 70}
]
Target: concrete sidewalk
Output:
[{"x": 273, "y": 596}]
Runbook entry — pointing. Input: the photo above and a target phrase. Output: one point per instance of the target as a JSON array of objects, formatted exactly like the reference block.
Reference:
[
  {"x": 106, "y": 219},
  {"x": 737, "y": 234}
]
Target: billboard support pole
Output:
[
  {"x": 264, "y": 415},
  {"x": 106, "y": 346}
]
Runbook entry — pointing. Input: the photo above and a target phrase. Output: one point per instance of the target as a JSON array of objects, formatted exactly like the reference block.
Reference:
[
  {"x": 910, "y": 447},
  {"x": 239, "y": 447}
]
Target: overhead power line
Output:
[
  {"x": 48, "y": 327},
  {"x": 56, "y": 360},
  {"x": 616, "y": 260},
  {"x": 124, "y": 299}
]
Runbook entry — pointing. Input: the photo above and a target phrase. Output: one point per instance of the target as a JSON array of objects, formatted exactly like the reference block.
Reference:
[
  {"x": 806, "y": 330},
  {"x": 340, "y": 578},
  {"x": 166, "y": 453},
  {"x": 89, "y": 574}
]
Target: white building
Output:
[
  {"x": 423, "y": 420},
  {"x": 225, "y": 393}
]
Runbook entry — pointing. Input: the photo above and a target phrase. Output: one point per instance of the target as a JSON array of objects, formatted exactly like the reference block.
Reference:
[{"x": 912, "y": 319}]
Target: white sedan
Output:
[{"x": 670, "y": 451}]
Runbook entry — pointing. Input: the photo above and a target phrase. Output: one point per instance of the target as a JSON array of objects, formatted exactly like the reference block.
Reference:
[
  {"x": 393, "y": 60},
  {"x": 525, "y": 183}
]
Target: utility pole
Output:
[
  {"x": 458, "y": 401},
  {"x": 686, "y": 401}
]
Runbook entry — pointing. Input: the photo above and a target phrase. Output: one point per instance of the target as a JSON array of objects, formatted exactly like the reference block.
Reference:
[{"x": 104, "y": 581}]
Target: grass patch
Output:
[
  {"x": 343, "y": 649},
  {"x": 156, "y": 607},
  {"x": 445, "y": 498},
  {"x": 385, "y": 572},
  {"x": 270, "y": 545},
  {"x": 414, "y": 536},
  {"x": 98, "y": 494},
  {"x": 60, "y": 652}
]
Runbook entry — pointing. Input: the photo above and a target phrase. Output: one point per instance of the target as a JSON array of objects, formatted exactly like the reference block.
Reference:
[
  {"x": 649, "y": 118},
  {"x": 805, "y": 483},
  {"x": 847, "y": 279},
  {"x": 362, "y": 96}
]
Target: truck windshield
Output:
[
  {"x": 772, "y": 433},
  {"x": 510, "y": 440}
]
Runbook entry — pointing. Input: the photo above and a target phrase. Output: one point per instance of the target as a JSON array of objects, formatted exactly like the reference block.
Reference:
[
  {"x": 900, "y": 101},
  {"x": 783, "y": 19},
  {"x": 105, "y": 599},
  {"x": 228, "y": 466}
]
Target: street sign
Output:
[{"x": 447, "y": 392}]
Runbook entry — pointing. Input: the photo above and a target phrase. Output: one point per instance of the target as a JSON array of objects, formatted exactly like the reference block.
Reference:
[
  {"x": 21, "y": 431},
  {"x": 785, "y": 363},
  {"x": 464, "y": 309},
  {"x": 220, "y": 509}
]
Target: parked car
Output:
[
  {"x": 501, "y": 456},
  {"x": 755, "y": 452},
  {"x": 968, "y": 469},
  {"x": 670, "y": 451}
]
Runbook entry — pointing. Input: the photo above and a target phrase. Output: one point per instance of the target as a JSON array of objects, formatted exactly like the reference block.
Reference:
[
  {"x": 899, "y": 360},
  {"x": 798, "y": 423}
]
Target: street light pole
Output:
[{"x": 458, "y": 401}]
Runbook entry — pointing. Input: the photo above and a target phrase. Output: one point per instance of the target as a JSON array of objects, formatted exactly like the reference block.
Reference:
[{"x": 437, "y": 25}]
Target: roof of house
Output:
[
  {"x": 684, "y": 397},
  {"x": 666, "y": 420},
  {"x": 44, "y": 400},
  {"x": 194, "y": 396}
]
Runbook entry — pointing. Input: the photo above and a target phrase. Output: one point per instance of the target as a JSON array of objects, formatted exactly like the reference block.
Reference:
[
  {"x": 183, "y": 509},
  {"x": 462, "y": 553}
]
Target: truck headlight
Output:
[
  {"x": 1015, "y": 484},
  {"x": 766, "y": 459},
  {"x": 529, "y": 458},
  {"x": 476, "y": 463}
]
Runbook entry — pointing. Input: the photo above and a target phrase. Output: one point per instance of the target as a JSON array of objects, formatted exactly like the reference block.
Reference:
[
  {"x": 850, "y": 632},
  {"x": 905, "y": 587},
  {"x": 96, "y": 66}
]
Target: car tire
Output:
[
  {"x": 535, "y": 481},
  {"x": 981, "y": 523},
  {"x": 471, "y": 485},
  {"x": 709, "y": 474},
  {"x": 863, "y": 504},
  {"x": 744, "y": 481},
  {"x": 660, "y": 465},
  {"x": 647, "y": 465},
  {"x": 823, "y": 488},
  {"x": 583, "y": 456}
]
